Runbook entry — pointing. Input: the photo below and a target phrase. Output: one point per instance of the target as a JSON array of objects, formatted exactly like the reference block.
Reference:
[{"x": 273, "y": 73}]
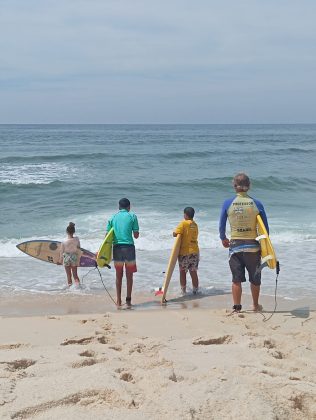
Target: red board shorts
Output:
[{"x": 125, "y": 255}]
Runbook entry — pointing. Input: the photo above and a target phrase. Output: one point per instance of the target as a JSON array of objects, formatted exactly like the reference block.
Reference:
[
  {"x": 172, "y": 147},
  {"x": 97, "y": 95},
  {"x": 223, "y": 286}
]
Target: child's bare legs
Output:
[
  {"x": 183, "y": 280},
  {"x": 129, "y": 286},
  {"x": 195, "y": 280},
  {"x": 75, "y": 275},
  {"x": 119, "y": 278},
  {"x": 68, "y": 272}
]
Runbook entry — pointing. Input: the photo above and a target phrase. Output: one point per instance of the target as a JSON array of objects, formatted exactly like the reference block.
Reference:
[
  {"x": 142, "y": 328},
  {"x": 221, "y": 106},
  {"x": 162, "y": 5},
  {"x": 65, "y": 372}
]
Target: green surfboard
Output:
[{"x": 105, "y": 252}]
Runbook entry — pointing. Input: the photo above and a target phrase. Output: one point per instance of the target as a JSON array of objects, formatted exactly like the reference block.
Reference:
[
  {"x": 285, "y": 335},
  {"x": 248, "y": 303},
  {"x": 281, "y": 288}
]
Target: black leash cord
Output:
[
  {"x": 101, "y": 281},
  {"x": 275, "y": 292},
  {"x": 87, "y": 274},
  {"x": 105, "y": 287}
]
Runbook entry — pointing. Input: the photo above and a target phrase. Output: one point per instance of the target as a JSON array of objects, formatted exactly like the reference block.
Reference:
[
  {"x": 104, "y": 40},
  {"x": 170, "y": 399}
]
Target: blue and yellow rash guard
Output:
[{"x": 242, "y": 212}]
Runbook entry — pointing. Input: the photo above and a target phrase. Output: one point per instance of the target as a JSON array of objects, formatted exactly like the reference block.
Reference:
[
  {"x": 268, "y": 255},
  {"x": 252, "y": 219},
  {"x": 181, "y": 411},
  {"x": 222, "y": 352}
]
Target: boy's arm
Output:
[
  {"x": 222, "y": 224},
  {"x": 178, "y": 230},
  {"x": 108, "y": 227},
  {"x": 135, "y": 227}
]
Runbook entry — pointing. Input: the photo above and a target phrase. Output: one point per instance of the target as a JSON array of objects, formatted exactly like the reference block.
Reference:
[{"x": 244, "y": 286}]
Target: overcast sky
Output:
[{"x": 145, "y": 61}]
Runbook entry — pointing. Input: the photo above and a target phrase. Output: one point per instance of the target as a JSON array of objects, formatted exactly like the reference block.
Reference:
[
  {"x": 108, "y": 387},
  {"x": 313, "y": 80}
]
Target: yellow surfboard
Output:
[
  {"x": 104, "y": 256},
  {"x": 172, "y": 263},
  {"x": 267, "y": 252}
]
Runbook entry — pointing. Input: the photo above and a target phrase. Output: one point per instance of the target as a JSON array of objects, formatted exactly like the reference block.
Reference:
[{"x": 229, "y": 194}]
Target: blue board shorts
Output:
[
  {"x": 250, "y": 261},
  {"x": 125, "y": 255}
]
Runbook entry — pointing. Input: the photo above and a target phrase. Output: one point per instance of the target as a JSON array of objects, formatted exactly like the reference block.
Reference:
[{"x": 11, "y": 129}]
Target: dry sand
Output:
[{"x": 159, "y": 364}]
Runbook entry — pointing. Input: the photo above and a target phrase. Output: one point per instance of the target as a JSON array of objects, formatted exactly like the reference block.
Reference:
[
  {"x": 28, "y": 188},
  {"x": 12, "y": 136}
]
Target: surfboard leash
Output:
[
  {"x": 275, "y": 292},
  {"x": 105, "y": 286},
  {"x": 85, "y": 275}
]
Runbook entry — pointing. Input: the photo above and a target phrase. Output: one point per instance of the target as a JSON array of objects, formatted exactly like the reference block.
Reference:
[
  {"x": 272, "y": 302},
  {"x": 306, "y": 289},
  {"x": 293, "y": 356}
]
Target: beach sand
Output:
[{"x": 177, "y": 362}]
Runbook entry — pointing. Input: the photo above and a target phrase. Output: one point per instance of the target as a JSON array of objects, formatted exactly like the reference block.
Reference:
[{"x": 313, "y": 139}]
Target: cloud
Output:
[{"x": 202, "y": 51}]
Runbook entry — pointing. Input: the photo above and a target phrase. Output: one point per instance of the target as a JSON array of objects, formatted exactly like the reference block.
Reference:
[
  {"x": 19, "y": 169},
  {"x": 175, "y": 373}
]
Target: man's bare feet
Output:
[{"x": 257, "y": 308}]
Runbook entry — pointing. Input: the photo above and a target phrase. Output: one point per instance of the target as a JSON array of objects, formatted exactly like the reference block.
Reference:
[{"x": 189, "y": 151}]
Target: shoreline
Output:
[{"x": 34, "y": 304}]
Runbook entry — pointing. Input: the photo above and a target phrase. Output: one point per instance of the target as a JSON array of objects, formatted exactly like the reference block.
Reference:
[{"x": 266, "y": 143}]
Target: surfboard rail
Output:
[
  {"x": 104, "y": 256},
  {"x": 170, "y": 268},
  {"x": 268, "y": 255}
]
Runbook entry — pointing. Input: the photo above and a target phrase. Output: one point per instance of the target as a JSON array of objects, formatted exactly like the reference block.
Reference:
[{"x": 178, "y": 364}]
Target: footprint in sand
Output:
[
  {"x": 7, "y": 388},
  {"x": 269, "y": 344},
  {"x": 83, "y": 363},
  {"x": 225, "y": 339},
  {"x": 11, "y": 373},
  {"x": 175, "y": 378},
  {"x": 12, "y": 346},
  {"x": 105, "y": 324},
  {"x": 82, "y": 341},
  {"x": 17, "y": 365},
  {"x": 116, "y": 348},
  {"x": 85, "y": 340},
  {"x": 138, "y": 348},
  {"x": 127, "y": 377},
  {"x": 88, "y": 362},
  {"x": 102, "y": 339},
  {"x": 277, "y": 354},
  {"x": 95, "y": 397},
  {"x": 87, "y": 353},
  {"x": 266, "y": 372}
]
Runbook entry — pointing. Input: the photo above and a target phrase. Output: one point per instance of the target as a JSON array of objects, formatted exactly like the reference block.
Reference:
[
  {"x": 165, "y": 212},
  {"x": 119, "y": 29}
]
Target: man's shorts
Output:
[
  {"x": 70, "y": 259},
  {"x": 250, "y": 261},
  {"x": 125, "y": 255},
  {"x": 189, "y": 262}
]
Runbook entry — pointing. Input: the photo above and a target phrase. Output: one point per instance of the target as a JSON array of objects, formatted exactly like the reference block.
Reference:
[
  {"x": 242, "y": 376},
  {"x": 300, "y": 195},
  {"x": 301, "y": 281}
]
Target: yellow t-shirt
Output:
[{"x": 189, "y": 232}]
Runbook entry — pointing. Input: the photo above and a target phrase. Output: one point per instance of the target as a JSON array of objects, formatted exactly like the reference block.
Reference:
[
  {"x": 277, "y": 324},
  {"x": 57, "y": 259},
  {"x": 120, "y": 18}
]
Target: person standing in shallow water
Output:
[
  {"x": 244, "y": 250},
  {"x": 70, "y": 254},
  {"x": 125, "y": 225},
  {"x": 189, "y": 251}
]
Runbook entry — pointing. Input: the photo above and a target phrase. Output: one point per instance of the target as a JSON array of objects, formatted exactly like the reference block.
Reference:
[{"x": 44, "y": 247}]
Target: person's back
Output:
[
  {"x": 124, "y": 223},
  {"x": 189, "y": 241},
  {"x": 244, "y": 250},
  {"x": 242, "y": 211},
  {"x": 71, "y": 245},
  {"x": 189, "y": 250}
]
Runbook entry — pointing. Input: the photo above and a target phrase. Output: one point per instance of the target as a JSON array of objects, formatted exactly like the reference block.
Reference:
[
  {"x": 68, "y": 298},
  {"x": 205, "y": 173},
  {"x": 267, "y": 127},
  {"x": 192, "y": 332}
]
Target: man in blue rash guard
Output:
[{"x": 244, "y": 250}]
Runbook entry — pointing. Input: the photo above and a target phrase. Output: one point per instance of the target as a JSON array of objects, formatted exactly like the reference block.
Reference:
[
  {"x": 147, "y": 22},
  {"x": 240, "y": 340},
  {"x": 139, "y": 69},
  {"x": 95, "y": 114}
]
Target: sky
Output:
[{"x": 145, "y": 61}]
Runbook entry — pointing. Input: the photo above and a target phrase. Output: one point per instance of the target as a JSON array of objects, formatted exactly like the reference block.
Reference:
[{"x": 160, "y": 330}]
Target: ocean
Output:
[{"x": 53, "y": 174}]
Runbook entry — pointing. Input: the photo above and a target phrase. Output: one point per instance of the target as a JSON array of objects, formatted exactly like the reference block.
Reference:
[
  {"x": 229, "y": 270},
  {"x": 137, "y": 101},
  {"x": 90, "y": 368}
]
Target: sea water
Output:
[{"x": 53, "y": 174}]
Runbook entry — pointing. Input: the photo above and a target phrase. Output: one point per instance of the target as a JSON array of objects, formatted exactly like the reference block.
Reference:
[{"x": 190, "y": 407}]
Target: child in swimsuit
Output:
[{"x": 70, "y": 254}]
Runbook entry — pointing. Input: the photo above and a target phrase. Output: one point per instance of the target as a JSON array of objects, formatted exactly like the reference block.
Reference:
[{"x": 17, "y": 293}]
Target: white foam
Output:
[
  {"x": 35, "y": 173},
  {"x": 155, "y": 234}
]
